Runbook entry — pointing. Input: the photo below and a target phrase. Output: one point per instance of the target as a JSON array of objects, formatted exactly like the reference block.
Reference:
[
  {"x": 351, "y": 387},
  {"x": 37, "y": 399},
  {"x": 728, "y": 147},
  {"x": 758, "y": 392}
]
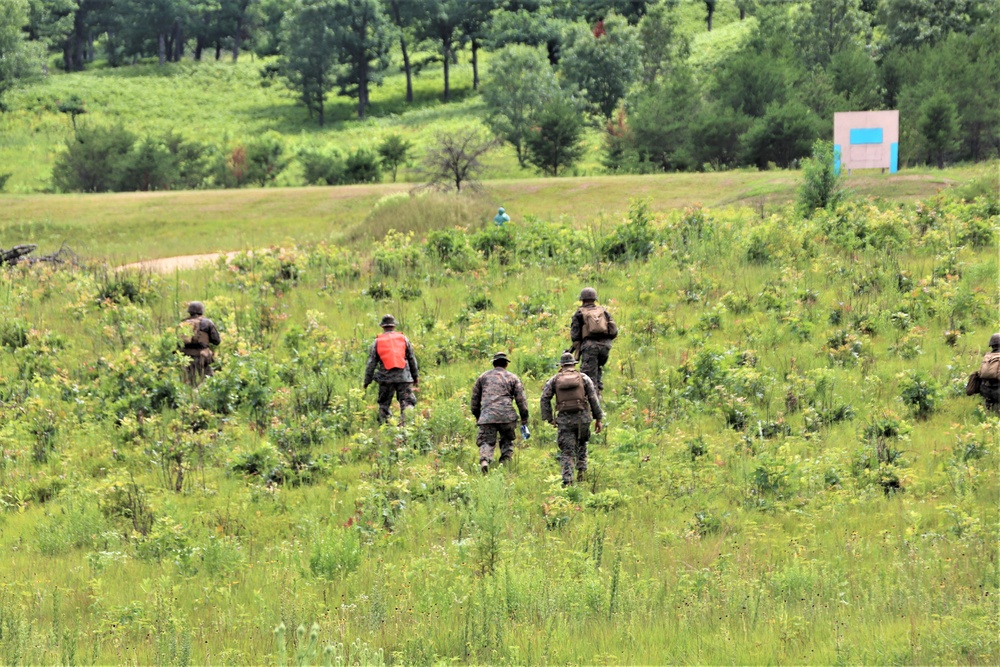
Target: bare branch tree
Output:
[{"x": 455, "y": 159}]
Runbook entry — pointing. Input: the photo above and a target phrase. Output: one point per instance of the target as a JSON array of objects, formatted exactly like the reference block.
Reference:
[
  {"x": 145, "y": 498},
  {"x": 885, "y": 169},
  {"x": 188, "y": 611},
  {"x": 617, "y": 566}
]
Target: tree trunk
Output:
[
  {"x": 218, "y": 49},
  {"x": 475, "y": 64},
  {"x": 321, "y": 118},
  {"x": 178, "y": 42},
  {"x": 743, "y": 13},
  {"x": 161, "y": 43},
  {"x": 407, "y": 69},
  {"x": 237, "y": 40},
  {"x": 447, "y": 63},
  {"x": 68, "y": 54},
  {"x": 170, "y": 45},
  {"x": 708, "y": 17},
  {"x": 90, "y": 47},
  {"x": 199, "y": 44}
]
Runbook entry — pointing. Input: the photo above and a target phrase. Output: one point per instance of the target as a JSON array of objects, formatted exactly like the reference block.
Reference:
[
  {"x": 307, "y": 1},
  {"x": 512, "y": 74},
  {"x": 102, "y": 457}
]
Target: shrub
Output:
[
  {"x": 634, "y": 239},
  {"x": 496, "y": 242},
  {"x": 93, "y": 159},
  {"x": 821, "y": 186},
  {"x": 921, "y": 393},
  {"x": 335, "y": 554},
  {"x": 322, "y": 167},
  {"x": 363, "y": 166}
]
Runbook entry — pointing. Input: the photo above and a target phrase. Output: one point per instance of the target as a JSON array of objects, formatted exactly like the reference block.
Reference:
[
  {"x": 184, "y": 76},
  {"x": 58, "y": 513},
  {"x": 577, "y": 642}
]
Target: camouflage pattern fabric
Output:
[
  {"x": 573, "y": 427},
  {"x": 572, "y": 440},
  {"x": 487, "y": 437},
  {"x": 375, "y": 369},
  {"x": 492, "y": 395},
  {"x": 990, "y": 391},
  {"x": 202, "y": 356},
  {"x": 593, "y": 356},
  {"x": 576, "y": 325},
  {"x": 402, "y": 391}
]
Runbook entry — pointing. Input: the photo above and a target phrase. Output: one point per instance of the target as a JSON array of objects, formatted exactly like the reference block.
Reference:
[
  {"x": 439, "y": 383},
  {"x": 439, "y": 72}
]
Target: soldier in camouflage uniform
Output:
[
  {"x": 392, "y": 365},
  {"x": 491, "y": 397},
  {"x": 198, "y": 336},
  {"x": 989, "y": 382},
  {"x": 592, "y": 330},
  {"x": 577, "y": 402}
]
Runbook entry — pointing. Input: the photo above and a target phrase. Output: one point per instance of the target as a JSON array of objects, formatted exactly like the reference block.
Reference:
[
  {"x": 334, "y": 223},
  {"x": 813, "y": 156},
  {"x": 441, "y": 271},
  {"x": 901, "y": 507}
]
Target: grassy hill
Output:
[
  {"x": 790, "y": 474},
  {"x": 218, "y": 102},
  {"x": 130, "y": 226}
]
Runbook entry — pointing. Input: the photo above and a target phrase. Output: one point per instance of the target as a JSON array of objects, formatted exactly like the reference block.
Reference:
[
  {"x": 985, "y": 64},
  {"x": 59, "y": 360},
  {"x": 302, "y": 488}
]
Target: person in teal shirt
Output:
[{"x": 501, "y": 218}]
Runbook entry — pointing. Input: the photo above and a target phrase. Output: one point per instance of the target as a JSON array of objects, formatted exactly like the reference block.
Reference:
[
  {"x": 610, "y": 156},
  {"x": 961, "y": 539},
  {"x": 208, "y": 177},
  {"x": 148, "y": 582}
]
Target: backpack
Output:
[
  {"x": 990, "y": 370},
  {"x": 571, "y": 395},
  {"x": 595, "y": 321},
  {"x": 197, "y": 337}
]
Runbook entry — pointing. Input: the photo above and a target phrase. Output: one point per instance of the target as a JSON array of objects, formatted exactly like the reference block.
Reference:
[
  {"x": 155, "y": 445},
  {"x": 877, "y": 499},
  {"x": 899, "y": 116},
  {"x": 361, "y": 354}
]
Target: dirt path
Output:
[{"x": 179, "y": 263}]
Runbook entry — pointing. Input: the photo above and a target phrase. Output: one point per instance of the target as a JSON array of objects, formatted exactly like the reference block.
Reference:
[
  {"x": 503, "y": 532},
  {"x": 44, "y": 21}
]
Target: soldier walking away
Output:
[
  {"x": 592, "y": 330},
  {"x": 577, "y": 402},
  {"x": 491, "y": 406},
  {"x": 986, "y": 381},
  {"x": 392, "y": 365},
  {"x": 198, "y": 335}
]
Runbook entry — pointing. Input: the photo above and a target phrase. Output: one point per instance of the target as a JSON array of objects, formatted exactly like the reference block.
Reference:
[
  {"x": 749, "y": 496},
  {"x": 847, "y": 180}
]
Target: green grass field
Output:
[
  {"x": 131, "y": 226},
  {"x": 791, "y": 472}
]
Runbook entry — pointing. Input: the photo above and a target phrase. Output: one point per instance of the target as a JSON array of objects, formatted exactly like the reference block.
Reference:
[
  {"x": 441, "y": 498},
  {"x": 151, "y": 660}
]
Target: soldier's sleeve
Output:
[
  {"x": 612, "y": 325},
  {"x": 372, "y": 364},
  {"x": 213, "y": 332},
  {"x": 521, "y": 400},
  {"x": 548, "y": 391},
  {"x": 576, "y": 327},
  {"x": 476, "y": 403},
  {"x": 595, "y": 402},
  {"x": 411, "y": 359}
]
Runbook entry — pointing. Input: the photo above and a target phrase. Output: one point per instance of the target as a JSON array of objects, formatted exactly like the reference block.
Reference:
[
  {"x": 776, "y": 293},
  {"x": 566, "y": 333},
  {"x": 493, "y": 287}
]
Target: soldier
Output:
[
  {"x": 576, "y": 402},
  {"x": 986, "y": 381},
  {"x": 391, "y": 363},
  {"x": 491, "y": 397},
  {"x": 592, "y": 330},
  {"x": 198, "y": 335}
]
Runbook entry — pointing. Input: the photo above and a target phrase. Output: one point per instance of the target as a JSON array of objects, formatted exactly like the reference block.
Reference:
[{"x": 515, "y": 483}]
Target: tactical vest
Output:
[
  {"x": 990, "y": 370},
  {"x": 198, "y": 339},
  {"x": 595, "y": 321},
  {"x": 571, "y": 395},
  {"x": 391, "y": 349}
]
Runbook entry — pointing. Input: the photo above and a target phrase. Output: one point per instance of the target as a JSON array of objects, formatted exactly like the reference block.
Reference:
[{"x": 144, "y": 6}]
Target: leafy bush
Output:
[
  {"x": 363, "y": 166},
  {"x": 821, "y": 186},
  {"x": 634, "y": 239},
  {"x": 322, "y": 167},
  {"x": 335, "y": 554},
  {"x": 921, "y": 393}
]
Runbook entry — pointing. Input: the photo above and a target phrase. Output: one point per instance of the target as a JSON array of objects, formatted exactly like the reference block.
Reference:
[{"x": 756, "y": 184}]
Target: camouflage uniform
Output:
[
  {"x": 491, "y": 397},
  {"x": 393, "y": 382},
  {"x": 200, "y": 335},
  {"x": 594, "y": 349},
  {"x": 989, "y": 389},
  {"x": 574, "y": 427}
]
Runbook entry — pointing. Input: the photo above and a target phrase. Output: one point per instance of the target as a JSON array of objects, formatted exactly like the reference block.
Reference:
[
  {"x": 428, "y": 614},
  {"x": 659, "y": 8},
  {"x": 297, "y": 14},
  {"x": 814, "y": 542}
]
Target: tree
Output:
[
  {"x": 440, "y": 23},
  {"x": 405, "y": 15},
  {"x": 310, "y": 52},
  {"x": 661, "y": 120},
  {"x": 521, "y": 82},
  {"x": 603, "y": 68},
  {"x": 826, "y": 27},
  {"x": 474, "y": 23},
  {"x": 362, "y": 38},
  {"x": 659, "y": 39},
  {"x": 715, "y": 136},
  {"x": 855, "y": 78},
  {"x": 529, "y": 27},
  {"x": 784, "y": 134},
  {"x": 394, "y": 151},
  {"x": 554, "y": 143},
  {"x": 456, "y": 159},
  {"x": 913, "y": 23},
  {"x": 749, "y": 81},
  {"x": 20, "y": 59},
  {"x": 93, "y": 159},
  {"x": 709, "y": 13},
  {"x": 72, "y": 106},
  {"x": 938, "y": 127}
]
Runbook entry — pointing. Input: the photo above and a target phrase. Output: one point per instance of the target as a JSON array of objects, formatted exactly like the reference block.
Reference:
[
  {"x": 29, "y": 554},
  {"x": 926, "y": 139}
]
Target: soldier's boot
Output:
[
  {"x": 484, "y": 466},
  {"x": 580, "y": 476},
  {"x": 505, "y": 459}
]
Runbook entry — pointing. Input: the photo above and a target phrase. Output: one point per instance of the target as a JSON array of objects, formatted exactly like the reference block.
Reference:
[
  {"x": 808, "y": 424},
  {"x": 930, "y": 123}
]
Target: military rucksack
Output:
[
  {"x": 595, "y": 321},
  {"x": 197, "y": 337},
  {"x": 990, "y": 370},
  {"x": 571, "y": 395}
]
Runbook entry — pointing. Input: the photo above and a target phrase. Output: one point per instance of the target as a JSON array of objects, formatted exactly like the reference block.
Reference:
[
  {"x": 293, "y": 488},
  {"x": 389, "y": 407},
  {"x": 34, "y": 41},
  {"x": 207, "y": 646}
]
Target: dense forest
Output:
[{"x": 553, "y": 68}]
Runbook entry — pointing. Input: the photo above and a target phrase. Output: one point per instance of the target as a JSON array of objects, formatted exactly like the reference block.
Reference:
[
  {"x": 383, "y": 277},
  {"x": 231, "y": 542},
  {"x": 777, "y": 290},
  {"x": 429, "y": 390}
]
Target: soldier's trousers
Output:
[
  {"x": 403, "y": 391},
  {"x": 593, "y": 356},
  {"x": 487, "y": 437},
  {"x": 198, "y": 369},
  {"x": 572, "y": 439}
]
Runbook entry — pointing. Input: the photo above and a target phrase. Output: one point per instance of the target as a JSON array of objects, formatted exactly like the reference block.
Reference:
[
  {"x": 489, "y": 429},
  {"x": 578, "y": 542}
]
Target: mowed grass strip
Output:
[{"x": 127, "y": 227}]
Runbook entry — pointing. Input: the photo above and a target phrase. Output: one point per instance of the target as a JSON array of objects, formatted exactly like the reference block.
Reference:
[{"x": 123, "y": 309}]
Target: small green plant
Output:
[
  {"x": 822, "y": 186},
  {"x": 920, "y": 392}
]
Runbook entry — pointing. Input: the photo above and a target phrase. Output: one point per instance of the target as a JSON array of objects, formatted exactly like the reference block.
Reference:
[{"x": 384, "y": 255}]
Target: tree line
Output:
[{"x": 556, "y": 66}]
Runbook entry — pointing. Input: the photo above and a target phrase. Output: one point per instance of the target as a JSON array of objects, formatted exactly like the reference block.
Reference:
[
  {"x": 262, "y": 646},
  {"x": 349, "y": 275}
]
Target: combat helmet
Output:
[
  {"x": 588, "y": 294},
  {"x": 387, "y": 321},
  {"x": 567, "y": 359},
  {"x": 501, "y": 357},
  {"x": 196, "y": 308},
  {"x": 995, "y": 340}
]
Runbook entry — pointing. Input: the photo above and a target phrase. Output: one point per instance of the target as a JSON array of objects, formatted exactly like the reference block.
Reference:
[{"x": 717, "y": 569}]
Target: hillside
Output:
[{"x": 130, "y": 226}]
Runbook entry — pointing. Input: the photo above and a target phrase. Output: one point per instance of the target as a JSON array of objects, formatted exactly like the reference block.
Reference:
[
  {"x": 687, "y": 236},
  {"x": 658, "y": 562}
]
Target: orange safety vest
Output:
[{"x": 391, "y": 348}]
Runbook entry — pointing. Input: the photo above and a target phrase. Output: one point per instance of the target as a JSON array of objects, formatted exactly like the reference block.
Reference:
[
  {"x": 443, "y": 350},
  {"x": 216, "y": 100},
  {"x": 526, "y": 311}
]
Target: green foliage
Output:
[
  {"x": 821, "y": 186},
  {"x": 337, "y": 553},
  {"x": 322, "y": 166},
  {"x": 632, "y": 240},
  {"x": 553, "y": 143},
  {"x": 938, "y": 127},
  {"x": 603, "y": 68},
  {"x": 393, "y": 152},
  {"x": 921, "y": 393}
]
